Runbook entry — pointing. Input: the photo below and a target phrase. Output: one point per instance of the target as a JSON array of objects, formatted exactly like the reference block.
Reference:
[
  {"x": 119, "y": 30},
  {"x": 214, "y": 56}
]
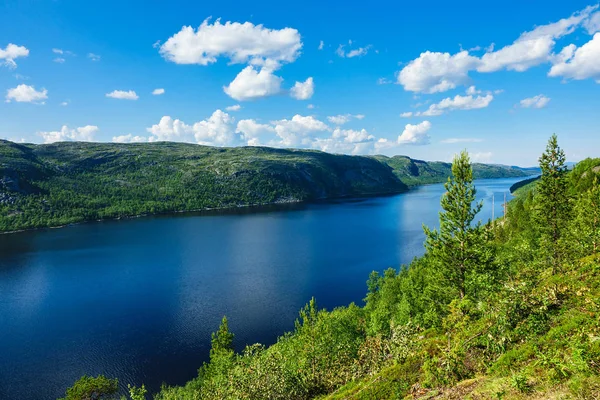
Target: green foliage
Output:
[
  {"x": 90, "y": 388},
  {"x": 64, "y": 183},
  {"x": 552, "y": 203},
  {"x": 481, "y": 315},
  {"x": 459, "y": 249}
]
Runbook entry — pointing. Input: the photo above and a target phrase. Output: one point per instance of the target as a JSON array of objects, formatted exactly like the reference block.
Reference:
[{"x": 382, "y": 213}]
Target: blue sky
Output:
[{"x": 389, "y": 77}]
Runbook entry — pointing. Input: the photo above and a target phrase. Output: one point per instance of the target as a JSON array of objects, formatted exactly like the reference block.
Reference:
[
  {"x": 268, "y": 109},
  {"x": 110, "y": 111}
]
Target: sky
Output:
[{"x": 344, "y": 77}]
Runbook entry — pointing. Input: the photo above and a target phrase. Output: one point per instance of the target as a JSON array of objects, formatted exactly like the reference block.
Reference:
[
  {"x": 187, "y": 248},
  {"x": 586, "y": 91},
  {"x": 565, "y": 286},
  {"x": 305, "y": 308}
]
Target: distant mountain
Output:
[
  {"x": 417, "y": 172},
  {"x": 62, "y": 183}
]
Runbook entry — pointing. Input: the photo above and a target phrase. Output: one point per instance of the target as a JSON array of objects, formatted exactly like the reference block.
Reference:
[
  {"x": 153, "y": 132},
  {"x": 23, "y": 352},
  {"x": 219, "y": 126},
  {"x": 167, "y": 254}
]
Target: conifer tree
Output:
[
  {"x": 458, "y": 248},
  {"x": 586, "y": 223},
  {"x": 222, "y": 340},
  {"x": 552, "y": 203}
]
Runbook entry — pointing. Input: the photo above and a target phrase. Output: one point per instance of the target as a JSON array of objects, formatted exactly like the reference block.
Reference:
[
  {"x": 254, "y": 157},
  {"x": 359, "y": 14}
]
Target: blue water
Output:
[{"x": 137, "y": 299}]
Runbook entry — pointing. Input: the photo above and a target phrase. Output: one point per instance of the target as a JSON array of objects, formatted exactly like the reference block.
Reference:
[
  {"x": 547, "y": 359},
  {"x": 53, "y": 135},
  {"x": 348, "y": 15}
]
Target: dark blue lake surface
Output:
[{"x": 137, "y": 299}]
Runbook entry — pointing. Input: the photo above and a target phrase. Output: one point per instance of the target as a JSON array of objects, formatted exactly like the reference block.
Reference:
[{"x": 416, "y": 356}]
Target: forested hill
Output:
[
  {"x": 62, "y": 183},
  {"x": 418, "y": 172}
]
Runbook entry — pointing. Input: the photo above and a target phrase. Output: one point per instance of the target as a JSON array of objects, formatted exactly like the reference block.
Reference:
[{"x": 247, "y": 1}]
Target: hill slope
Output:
[
  {"x": 62, "y": 183},
  {"x": 48, "y": 185},
  {"x": 417, "y": 172}
]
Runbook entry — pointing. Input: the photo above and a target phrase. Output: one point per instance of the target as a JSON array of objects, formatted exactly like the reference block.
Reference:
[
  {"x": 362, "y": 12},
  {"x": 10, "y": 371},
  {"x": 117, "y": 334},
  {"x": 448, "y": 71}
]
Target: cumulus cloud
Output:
[
  {"x": 407, "y": 114},
  {"x": 26, "y": 94},
  {"x": 81, "y": 134},
  {"x": 579, "y": 63},
  {"x": 343, "y": 118},
  {"x": 415, "y": 134},
  {"x": 235, "y": 107},
  {"x": 93, "y": 57},
  {"x": 129, "y": 138},
  {"x": 123, "y": 95},
  {"x": 321, "y": 45},
  {"x": 217, "y": 130},
  {"x": 457, "y": 103},
  {"x": 303, "y": 90},
  {"x": 11, "y": 52},
  {"x": 434, "y": 72},
  {"x": 241, "y": 43},
  {"x": 59, "y": 60},
  {"x": 250, "y": 84},
  {"x": 158, "y": 92},
  {"x": 539, "y": 101},
  {"x": 294, "y": 132},
  {"x": 253, "y": 132}
]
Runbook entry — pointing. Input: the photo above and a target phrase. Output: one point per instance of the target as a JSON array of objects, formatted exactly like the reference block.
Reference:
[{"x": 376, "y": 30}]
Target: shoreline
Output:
[{"x": 240, "y": 206}]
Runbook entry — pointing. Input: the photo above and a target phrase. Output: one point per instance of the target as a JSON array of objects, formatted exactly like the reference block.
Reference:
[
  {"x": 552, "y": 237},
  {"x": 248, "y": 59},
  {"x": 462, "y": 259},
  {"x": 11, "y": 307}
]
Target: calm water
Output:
[{"x": 138, "y": 299}]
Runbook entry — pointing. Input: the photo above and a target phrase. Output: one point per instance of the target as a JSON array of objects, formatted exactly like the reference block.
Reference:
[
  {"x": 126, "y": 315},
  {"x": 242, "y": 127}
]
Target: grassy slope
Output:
[{"x": 62, "y": 183}]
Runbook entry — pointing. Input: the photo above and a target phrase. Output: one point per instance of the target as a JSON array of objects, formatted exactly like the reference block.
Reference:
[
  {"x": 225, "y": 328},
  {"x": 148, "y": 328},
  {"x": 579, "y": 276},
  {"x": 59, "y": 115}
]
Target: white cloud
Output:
[
  {"x": 217, "y": 130},
  {"x": 434, "y": 72},
  {"x": 158, "y": 92},
  {"x": 358, "y": 52},
  {"x": 26, "y": 94},
  {"x": 129, "y": 138},
  {"x": 250, "y": 84},
  {"x": 593, "y": 23},
  {"x": 252, "y": 131},
  {"x": 59, "y": 60},
  {"x": 303, "y": 90},
  {"x": 241, "y": 43},
  {"x": 415, "y": 134},
  {"x": 481, "y": 157},
  {"x": 293, "y": 133},
  {"x": 472, "y": 90},
  {"x": 310, "y": 106},
  {"x": 384, "y": 81},
  {"x": 407, "y": 114},
  {"x": 64, "y": 103},
  {"x": 457, "y": 103},
  {"x": 343, "y": 118},
  {"x": 437, "y": 72},
  {"x": 235, "y": 107},
  {"x": 93, "y": 57},
  {"x": 352, "y": 136},
  {"x": 579, "y": 63},
  {"x": 82, "y": 134},
  {"x": 539, "y": 101},
  {"x": 11, "y": 52},
  {"x": 461, "y": 140},
  {"x": 123, "y": 95},
  {"x": 171, "y": 130},
  {"x": 57, "y": 51},
  {"x": 321, "y": 45}
]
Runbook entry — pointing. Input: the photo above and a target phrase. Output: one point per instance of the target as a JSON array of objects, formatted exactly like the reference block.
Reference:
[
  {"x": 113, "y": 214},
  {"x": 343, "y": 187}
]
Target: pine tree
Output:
[
  {"x": 222, "y": 340},
  {"x": 459, "y": 248},
  {"x": 552, "y": 203},
  {"x": 586, "y": 223}
]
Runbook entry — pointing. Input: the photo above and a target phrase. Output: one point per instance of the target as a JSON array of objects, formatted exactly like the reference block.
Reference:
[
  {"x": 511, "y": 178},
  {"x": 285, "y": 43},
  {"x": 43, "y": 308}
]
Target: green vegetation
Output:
[
  {"x": 506, "y": 310},
  {"x": 64, "y": 183},
  {"x": 418, "y": 172}
]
